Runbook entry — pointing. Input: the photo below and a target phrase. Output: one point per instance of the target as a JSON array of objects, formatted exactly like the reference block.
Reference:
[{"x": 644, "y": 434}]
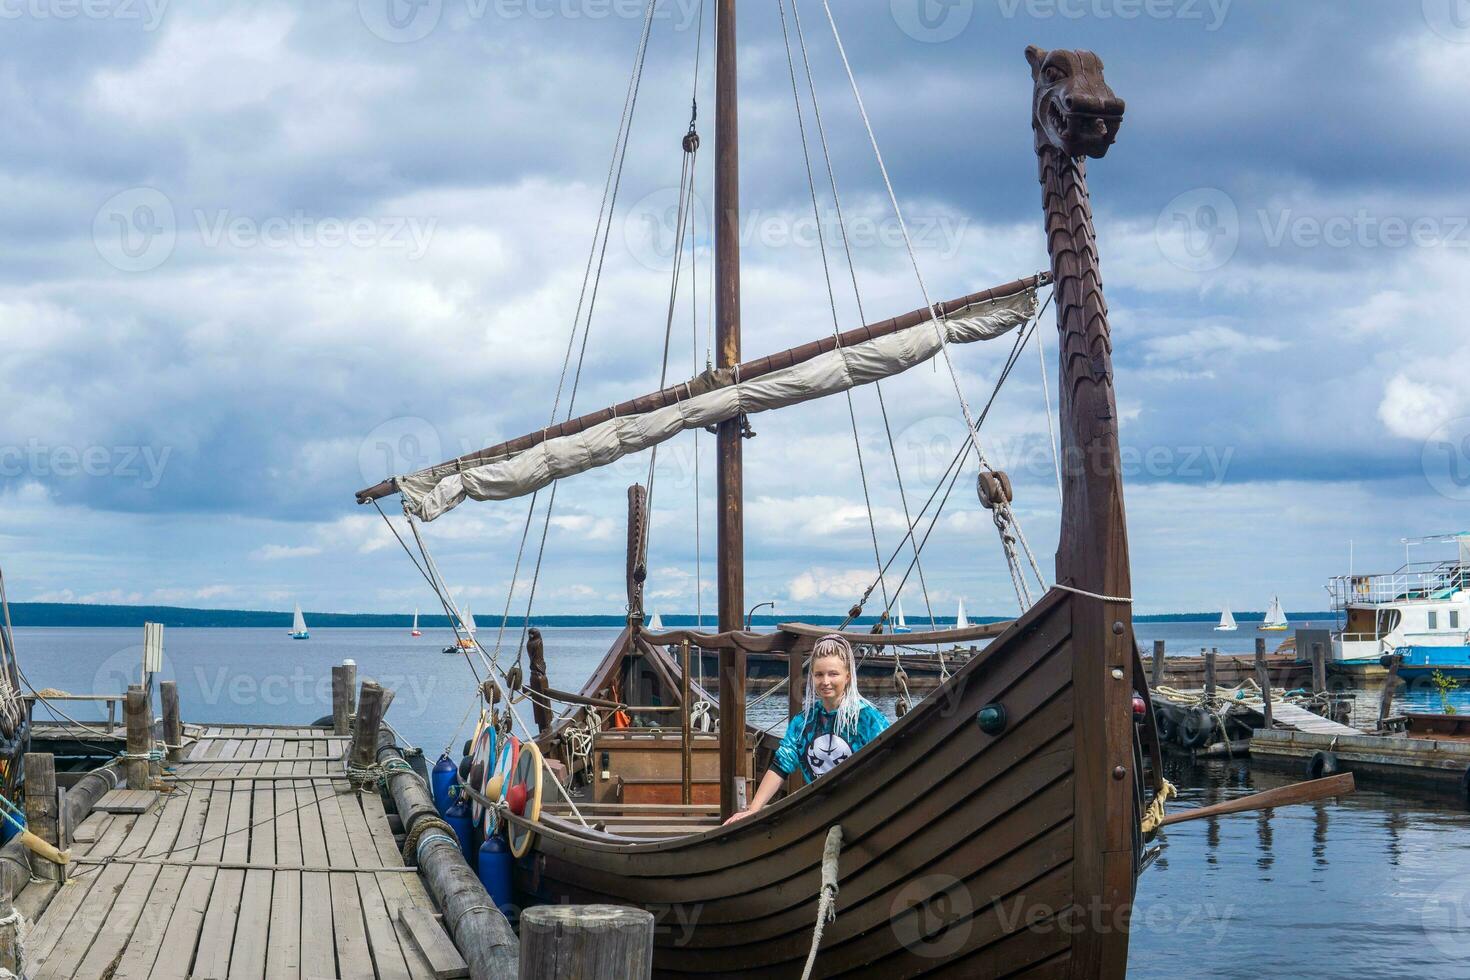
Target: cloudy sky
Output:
[{"x": 258, "y": 255}]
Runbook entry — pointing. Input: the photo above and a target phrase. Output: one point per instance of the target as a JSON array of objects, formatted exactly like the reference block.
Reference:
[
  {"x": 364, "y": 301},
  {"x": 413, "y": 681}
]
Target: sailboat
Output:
[
  {"x": 1020, "y": 783},
  {"x": 1227, "y": 622},
  {"x": 1275, "y": 618},
  {"x": 961, "y": 621},
  {"x": 656, "y": 622},
  {"x": 415, "y": 631},
  {"x": 900, "y": 625},
  {"x": 298, "y": 625}
]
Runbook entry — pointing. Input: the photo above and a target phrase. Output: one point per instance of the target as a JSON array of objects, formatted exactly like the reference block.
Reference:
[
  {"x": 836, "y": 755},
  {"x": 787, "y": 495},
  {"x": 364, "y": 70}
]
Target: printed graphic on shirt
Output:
[{"x": 825, "y": 752}]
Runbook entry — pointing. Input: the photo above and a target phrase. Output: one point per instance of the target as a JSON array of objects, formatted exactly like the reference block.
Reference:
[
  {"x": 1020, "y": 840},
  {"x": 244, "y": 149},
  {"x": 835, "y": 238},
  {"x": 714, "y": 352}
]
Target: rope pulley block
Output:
[{"x": 993, "y": 486}]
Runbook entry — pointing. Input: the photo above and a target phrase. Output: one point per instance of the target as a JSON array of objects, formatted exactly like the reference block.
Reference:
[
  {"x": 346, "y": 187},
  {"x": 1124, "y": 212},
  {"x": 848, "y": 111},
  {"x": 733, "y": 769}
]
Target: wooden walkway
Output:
[
  {"x": 253, "y": 874},
  {"x": 1302, "y": 720}
]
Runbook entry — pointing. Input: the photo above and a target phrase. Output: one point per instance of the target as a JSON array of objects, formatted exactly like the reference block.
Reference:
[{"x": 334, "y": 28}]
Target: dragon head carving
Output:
[{"x": 1073, "y": 110}]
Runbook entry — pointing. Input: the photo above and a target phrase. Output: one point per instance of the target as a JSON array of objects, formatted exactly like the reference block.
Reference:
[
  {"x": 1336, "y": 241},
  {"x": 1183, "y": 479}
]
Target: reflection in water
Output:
[
  {"x": 1266, "y": 857},
  {"x": 1319, "y": 834},
  {"x": 1350, "y": 887}
]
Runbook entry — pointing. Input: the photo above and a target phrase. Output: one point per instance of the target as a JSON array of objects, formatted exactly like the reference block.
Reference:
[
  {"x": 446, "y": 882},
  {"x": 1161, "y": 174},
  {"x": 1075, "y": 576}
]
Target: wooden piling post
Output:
[
  {"x": 586, "y": 941},
  {"x": 43, "y": 810},
  {"x": 795, "y": 698},
  {"x": 1319, "y": 669},
  {"x": 10, "y": 951},
  {"x": 1211, "y": 655},
  {"x": 173, "y": 728},
  {"x": 686, "y": 747},
  {"x": 140, "y": 736},
  {"x": 1263, "y": 679},
  {"x": 1158, "y": 680},
  {"x": 540, "y": 706},
  {"x": 1390, "y": 686},
  {"x": 344, "y": 680},
  {"x": 369, "y": 719}
]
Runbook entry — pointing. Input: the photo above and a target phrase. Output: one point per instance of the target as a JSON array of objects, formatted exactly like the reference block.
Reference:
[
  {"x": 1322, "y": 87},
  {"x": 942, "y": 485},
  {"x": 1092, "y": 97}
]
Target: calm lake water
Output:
[{"x": 1373, "y": 885}]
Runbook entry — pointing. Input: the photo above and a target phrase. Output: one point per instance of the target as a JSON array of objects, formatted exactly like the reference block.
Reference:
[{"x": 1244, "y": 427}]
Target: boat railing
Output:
[{"x": 1421, "y": 580}]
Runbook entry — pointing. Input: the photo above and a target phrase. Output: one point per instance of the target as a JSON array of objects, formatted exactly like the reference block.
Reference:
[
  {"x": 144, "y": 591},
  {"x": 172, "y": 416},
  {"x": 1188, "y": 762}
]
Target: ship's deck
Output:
[{"x": 258, "y": 862}]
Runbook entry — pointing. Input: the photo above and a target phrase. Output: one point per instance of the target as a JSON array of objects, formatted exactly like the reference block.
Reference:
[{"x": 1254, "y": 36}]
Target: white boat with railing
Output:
[{"x": 1421, "y": 611}]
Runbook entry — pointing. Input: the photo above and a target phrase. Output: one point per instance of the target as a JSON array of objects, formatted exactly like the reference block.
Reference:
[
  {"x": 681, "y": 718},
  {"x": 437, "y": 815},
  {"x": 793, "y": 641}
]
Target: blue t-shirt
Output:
[{"x": 811, "y": 745}]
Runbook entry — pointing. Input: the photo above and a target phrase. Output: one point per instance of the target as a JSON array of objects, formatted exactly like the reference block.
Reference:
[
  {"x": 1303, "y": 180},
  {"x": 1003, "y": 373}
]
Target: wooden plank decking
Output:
[{"x": 253, "y": 875}]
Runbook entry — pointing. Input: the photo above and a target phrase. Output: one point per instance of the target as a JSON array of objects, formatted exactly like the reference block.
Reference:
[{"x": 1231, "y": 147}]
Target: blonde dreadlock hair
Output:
[{"x": 852, "y": 703}]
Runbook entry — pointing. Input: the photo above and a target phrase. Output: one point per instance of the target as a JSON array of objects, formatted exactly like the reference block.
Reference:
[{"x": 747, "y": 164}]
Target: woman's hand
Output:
[{"x": 737, "y": 815}]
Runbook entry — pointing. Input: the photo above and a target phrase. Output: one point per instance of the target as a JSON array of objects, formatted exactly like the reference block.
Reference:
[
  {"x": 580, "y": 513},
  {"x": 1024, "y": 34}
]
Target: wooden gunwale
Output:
[
  {"x": 985, "y": 771},
  {"x": 915, "y": 734}
]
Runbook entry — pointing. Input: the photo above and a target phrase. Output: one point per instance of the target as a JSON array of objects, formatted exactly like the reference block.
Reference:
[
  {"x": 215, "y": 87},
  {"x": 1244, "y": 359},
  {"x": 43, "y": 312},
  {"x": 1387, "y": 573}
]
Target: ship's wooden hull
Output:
[{"x": 961, "y": 855}]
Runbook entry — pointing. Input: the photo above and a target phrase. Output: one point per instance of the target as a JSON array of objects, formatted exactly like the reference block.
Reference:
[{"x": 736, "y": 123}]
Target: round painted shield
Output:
[{"x": 526, "y": 776}]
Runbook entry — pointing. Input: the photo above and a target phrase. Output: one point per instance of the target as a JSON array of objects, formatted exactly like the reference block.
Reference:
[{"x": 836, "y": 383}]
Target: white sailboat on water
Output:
[
  {"x": 464, "y": 632},
  {"x": 298, "y": 625},
  {"x": 1227, "y": 622},
  {"x": 900, "y": 625},
  {"x": 1275, "y": 617},
  {"x": 960, "y": 620},
  {"x": 656, "y": 624},
  {"x": 416, "y": 631}
]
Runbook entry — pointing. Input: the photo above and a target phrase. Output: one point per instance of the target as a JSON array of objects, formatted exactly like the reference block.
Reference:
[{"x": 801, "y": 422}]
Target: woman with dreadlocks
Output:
[{"x": 835, "y": 722}]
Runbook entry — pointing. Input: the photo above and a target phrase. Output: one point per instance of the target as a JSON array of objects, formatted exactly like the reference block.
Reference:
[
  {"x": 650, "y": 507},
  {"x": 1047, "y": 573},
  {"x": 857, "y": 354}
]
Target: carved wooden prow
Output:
[
  {"x": 1076, "y": 115},
  {"x": 637, "y": 550}
]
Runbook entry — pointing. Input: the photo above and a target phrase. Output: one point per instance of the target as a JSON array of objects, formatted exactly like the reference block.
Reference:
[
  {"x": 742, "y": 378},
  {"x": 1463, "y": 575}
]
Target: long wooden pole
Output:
[
  {"x": 749, "y": 370},
  {"x": 730, "y": 520}
]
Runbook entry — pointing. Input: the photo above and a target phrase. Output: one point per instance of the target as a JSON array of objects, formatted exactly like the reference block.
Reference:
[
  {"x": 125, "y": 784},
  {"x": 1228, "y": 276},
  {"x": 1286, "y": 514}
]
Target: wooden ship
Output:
[{"x": 1021, "y": 777}]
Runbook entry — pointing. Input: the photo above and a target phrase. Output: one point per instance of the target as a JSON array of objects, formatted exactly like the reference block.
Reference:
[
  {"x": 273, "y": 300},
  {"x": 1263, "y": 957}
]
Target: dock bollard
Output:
[{"x": 586, "y": 941}]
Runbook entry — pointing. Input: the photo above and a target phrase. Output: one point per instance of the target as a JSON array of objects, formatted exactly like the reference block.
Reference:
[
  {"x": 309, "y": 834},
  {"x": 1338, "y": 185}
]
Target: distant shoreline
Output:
[{"x": 64, "y": 614}]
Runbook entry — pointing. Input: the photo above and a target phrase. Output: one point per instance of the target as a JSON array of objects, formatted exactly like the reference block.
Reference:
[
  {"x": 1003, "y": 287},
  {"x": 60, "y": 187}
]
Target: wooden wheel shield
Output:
[
  {"x": 527, "y": 773},
  {"x": 499, "y": 780},
  {"x": 482, "y": 753}
]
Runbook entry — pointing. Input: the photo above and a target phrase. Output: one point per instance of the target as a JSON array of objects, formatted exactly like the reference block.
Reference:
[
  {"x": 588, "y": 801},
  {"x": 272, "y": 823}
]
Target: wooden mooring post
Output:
[
  {"x": 586, "y": 941},
  {"x": 369, "y": 720},
  {"x": 344, "y": 683},
  {"x": 1263, "y": 679},
  {"x": 43, "y": 810},
  {"x": 1211, "y": 655},
  {"x": 686, "y": 744},
  {"x": 173, "y": 727},
  {"x": 1390, "y": 686},
  {"x": 1158, "y": 679},
  {"x": 136, "y": 716},
  {"x": 1319, "y": 669}
]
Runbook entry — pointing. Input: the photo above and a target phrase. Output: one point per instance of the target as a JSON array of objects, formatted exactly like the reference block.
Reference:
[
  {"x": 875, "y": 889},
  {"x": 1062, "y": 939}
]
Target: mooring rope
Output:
[
  {"x": 826, "y": 897},
  {"x": 1153, "y": 817}
]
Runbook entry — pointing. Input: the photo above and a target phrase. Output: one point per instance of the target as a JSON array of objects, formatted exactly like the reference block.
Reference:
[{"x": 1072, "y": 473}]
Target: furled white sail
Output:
[{"x": 429, "y": 493}]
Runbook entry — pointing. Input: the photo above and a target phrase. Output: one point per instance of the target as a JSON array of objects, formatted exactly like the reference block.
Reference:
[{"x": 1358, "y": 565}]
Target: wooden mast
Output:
[{"x": 730, "y": 521}]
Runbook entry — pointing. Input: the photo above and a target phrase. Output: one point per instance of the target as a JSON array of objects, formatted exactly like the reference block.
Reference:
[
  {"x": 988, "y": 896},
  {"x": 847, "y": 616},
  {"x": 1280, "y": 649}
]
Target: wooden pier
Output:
[
  {"x": 1442, "y": 764},
  {"x": 257, "y": 860}
]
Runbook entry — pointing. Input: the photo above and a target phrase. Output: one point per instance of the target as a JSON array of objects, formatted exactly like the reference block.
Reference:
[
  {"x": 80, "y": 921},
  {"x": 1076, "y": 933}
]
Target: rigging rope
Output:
[
  {"x": 826, "y": 895},
  {"x": 603, "y": 228},
  {"x": 856, "y": 291},
  {"x": 831, "y": 298},
  {"x": 972, "y": 429}
]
